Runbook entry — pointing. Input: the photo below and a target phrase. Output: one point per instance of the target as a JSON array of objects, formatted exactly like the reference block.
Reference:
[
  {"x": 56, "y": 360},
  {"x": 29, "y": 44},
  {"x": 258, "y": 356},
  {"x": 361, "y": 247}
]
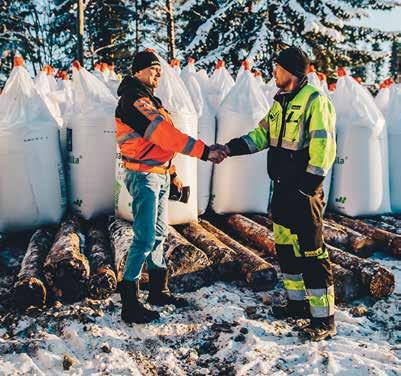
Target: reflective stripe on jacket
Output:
[
  {"x": 145, "y": 131},
  {"x": 299, "y": 131}
]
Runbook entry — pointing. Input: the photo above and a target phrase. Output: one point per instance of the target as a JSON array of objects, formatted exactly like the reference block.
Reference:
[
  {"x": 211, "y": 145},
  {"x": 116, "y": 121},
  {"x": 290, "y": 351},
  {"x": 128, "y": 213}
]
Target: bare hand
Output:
[
  {"x": 217, "y": 153},
  {"x": 178, "y": 183}
]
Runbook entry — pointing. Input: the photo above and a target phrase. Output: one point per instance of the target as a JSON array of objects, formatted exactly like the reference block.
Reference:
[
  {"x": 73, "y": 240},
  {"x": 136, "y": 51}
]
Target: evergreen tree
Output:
[
  {"x": 234, "y": 30},
  {"x": 110, "y": 27}
]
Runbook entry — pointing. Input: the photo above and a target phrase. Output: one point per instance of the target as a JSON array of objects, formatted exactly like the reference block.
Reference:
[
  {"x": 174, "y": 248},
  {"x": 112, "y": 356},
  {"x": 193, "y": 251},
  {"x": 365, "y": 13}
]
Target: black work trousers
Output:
[{"x": 302, "y": 254}]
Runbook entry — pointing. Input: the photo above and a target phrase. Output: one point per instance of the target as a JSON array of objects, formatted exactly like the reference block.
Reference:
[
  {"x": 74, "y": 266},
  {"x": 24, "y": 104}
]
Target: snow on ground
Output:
[{"x": 226, "y": 330}]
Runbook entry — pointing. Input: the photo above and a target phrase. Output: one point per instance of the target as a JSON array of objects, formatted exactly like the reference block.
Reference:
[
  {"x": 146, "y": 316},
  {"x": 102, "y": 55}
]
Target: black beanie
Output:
[
  {"x": 294, "y": 60},
  {"x": 143, "y": 60}
]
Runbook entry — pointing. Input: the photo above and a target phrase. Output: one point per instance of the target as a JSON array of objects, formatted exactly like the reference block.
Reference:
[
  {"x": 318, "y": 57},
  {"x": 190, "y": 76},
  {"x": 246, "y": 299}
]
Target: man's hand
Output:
[
  {"x": 178, "y": 183},
  {"x": 218, "y": 153}
]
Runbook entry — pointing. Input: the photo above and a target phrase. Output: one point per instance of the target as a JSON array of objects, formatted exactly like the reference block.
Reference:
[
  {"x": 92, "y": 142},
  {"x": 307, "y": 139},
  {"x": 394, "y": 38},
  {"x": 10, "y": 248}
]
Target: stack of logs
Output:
[
  {"x": 88, "y": 259},
  {"x": 353, "y": 276}
]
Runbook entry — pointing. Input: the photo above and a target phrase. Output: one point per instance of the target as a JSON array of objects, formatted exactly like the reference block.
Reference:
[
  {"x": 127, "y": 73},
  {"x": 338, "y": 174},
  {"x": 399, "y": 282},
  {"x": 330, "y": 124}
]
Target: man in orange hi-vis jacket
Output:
[{"x": 148, "y": 141}]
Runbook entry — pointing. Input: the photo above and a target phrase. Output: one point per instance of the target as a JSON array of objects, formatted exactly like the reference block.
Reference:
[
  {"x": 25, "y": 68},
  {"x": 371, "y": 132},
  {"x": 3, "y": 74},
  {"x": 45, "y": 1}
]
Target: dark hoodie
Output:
[{"x": 129, "y": 91}]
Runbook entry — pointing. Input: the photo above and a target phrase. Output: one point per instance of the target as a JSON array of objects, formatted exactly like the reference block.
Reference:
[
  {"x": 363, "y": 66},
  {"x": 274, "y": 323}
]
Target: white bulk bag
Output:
[
  {"x": 177, "y": 101},
  {"x": 313, "y": 79},
  {"x": 32, "y": 187},
  {"x": 360, "y": 183},
  {"x": 270, "y": 90},
  {"x": 393, "y": 121},
  {"x": 206, "y": 129},
  {"x": 382, "y": 100},
  {"x": 241, "y": 184},
  {"x": 91, "y": 146},
  {"x": 188, "y": 70},
  {"x": 219, "y": 86}
]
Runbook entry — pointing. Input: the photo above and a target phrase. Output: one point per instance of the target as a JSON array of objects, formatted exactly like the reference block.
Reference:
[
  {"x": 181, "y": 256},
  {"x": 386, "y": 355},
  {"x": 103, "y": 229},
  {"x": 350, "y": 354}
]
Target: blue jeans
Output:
[{"x": 150, "y": 193}]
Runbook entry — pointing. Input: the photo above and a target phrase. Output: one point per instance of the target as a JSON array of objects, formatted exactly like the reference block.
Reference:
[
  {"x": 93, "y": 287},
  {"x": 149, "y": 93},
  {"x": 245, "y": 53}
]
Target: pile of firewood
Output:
[{"x": 87, "y": 259}]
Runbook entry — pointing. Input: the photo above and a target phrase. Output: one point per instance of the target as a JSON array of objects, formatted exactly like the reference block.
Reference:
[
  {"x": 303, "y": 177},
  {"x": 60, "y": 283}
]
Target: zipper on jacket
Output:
[{"x": 283, "y": 122}]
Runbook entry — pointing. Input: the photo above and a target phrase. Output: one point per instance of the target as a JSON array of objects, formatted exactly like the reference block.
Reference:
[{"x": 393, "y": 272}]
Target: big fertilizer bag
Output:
[
  {"x": 206, "y": 130},
  {"x": 177, "y": 101},
  {"x": 219, "y": 85},
  {"x": 91, "y": 145},
  {"x": 32, "y": 186},
  {"x": 393, "y": 121},
  {"x": 241, "y": 184},
  {"x": 360, "y": 182},
  {"x": 382, "y": 98}
]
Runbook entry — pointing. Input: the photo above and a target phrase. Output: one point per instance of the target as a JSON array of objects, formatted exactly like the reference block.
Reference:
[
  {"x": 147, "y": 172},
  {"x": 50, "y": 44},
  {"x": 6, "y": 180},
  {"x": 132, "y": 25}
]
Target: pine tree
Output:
[
  {"x": 257, "y": 30},
  {"x": 110, "y": 25}
]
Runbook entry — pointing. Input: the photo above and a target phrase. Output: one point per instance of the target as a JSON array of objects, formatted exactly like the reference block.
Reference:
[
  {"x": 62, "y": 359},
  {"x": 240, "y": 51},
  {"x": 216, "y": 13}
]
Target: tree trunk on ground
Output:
[
  {"x": 189, "y": 267},
  {"x": 376, "y": 280},
  {"x": 394, "y": 221},
  {"x": 120, "y": 234},
  {"x": 223, "y": 259},
  {"x": 378, "y": 223},
  {"x": 30, "y": 289},
  {"x": 389, "y": 241},
  {"x": 334, "y": 234},
  {"x": 66, "y": 269},
  {"x": 347, "y": 286},
  {"x": 258, "y": 235},
  {"x": 102, "y": 280},
  {"x": 259, "y": 274}
]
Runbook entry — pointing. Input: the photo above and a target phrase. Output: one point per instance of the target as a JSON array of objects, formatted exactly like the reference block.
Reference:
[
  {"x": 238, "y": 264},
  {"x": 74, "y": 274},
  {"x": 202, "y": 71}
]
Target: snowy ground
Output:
[{"x": 226, "y": 330}]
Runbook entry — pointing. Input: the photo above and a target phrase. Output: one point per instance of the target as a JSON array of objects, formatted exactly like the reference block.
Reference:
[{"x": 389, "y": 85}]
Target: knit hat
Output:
[
  {"x": 294, "y": 60},
  {"x": 143, "y": 60}
]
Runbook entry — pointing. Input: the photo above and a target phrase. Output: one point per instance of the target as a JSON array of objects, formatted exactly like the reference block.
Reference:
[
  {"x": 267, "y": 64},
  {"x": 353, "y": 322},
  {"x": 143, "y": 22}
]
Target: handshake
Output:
[{"x": 217, "y": 153}]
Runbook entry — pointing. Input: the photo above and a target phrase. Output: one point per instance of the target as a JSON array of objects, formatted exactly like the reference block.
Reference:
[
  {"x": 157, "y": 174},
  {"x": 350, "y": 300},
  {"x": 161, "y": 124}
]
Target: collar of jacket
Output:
[
  {"x": 131, "y": 85},
  {"x": 289, "y": 95}
]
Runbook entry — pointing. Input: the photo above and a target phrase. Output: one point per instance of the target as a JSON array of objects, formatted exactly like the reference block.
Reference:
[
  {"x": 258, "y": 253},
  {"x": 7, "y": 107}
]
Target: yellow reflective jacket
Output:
[{"x": 299, "y": 131}]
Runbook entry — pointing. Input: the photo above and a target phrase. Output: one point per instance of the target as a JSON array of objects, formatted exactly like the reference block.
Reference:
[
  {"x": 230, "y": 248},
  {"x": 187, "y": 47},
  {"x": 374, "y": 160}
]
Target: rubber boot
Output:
[
  {"x": 319, "y": 329},
  {"x": 297, "y": 309},
  {"x": 133, "y": 310},
  {"x": 159, "y": 293}
]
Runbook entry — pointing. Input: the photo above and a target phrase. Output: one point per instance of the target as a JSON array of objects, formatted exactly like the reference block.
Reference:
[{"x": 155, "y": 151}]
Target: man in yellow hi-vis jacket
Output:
[{"x": 299, "y": 131}]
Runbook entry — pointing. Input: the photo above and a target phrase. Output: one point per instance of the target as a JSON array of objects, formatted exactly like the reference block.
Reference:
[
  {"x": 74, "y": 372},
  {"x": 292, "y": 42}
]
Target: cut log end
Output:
[
  {"x": 30, "y": 292},
  {"x": 102, "y": 284},
  {"x": 382, "y": 284}
]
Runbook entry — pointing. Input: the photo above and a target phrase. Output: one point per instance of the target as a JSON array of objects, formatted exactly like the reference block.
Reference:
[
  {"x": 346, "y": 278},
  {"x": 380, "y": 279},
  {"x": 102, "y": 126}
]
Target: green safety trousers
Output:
[{"x": 302, "y": 255}]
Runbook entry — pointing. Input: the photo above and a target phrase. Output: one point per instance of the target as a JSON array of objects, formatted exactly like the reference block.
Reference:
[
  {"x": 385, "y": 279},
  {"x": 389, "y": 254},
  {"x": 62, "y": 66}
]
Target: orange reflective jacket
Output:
[{"x": 146, "y": 134}]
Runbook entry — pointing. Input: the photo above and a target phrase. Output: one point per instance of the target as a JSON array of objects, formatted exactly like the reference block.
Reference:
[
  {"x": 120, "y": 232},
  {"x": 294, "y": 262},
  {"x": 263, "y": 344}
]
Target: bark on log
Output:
[
  {"x": 258, "y": 235},
  {"x": 389, "y": 241},
  {"x": 376, "y": 280},
  {"x": 120, "y": 233},
  {"x": 394, "y": 221},
  {"x": 189, "y": 267},
  {"x": 102, "y": 280},
  {"x": 347, "y": 285},
  {"x": 223, "y": 258},
  {"x": 259, "y": 274},
  {"x": 378, "y": 223},
  {"x": 336, "y": 235},
  {"x": 66, "y": 268},
  {"x": 358, "y": 244},
  {"x": 29, "y": 289}
]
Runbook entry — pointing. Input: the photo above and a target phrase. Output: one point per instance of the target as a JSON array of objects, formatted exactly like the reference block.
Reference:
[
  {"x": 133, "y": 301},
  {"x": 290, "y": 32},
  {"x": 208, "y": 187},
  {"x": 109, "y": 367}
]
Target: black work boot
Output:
[
  {"x": 319, "y": 329},
  {"x": 133, "y": 310},
  {"x": 296, "y": 309},
  {"x": 159, "y": 293}
]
